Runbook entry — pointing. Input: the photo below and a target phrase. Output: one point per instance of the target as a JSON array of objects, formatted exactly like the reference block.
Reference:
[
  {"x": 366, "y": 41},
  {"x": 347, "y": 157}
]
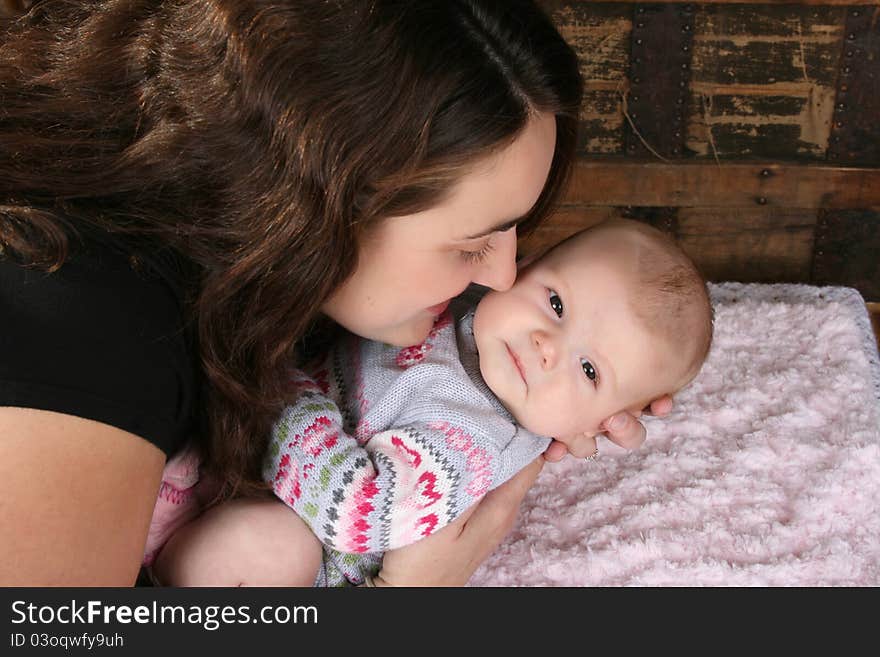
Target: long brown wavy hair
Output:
[{"x": 258, "y": 141}]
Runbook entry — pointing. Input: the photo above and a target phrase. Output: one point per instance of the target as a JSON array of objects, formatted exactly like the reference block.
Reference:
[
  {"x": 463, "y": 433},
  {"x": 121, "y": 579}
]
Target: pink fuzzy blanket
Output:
[{"x": 767, "y": 473}]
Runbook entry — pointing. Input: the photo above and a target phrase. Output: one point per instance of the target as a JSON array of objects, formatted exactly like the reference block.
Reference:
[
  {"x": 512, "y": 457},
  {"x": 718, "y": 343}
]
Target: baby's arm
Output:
[{"x": 387, "y": 490}]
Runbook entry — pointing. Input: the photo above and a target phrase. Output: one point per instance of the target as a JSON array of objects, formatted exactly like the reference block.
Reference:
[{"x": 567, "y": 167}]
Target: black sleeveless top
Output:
[{"x": 103, "y": 339}]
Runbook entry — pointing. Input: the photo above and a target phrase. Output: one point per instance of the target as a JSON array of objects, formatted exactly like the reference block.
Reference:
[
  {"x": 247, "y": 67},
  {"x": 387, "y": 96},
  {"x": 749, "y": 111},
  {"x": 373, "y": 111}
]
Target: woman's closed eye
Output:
[{"x": 478, "y": 256}]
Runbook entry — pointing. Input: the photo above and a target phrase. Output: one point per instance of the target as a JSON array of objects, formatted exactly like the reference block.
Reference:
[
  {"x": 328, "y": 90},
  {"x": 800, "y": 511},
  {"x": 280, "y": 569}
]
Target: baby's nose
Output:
[{"x": 546, "y": 349}]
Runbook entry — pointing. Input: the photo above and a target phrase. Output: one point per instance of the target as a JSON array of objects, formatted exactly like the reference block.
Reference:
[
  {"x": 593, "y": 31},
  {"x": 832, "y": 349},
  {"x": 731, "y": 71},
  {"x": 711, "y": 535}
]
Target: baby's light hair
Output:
[{"x": 670, "y": 296}]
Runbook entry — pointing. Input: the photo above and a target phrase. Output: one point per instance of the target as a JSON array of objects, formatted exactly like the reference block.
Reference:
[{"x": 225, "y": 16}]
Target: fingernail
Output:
[{"x": 616, "y": 423}]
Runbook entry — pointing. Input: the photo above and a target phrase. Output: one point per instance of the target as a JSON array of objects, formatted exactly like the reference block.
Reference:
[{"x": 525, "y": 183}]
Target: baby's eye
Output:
[
  {"x": 589, "y": 370},
  {"x": 556, "y": 303}
]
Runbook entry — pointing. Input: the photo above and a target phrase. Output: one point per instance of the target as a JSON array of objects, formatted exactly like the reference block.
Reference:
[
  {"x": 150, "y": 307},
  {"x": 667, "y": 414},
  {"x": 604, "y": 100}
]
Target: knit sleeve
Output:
[{"x": 392, "y": 490}]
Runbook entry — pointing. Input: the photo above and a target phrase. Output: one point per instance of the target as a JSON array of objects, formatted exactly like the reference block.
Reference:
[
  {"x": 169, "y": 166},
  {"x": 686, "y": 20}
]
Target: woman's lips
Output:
[
  {"x": 517, "y": 362},
  {"x": 439, "y": 309}
]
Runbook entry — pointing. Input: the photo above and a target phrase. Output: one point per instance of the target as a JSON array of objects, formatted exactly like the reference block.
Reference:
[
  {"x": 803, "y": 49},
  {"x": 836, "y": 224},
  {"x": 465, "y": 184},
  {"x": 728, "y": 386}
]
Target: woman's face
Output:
[{"x": 411, "y": 266}]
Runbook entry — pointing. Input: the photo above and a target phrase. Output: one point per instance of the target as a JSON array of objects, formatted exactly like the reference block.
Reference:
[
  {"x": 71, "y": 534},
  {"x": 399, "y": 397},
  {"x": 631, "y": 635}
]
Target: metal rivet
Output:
[
  {"x": 684, "y": 67},
  {"x": 638, "y": 42},
  {"x": 685, "y": 28},
  {"x": 849, "y": 53},
  {"x": 636, "y": 80},
  {"x": 633, "y": 115},
  {"x": 857, "y": 13},
  {"x": 685, "y": 48},
  {"x": 635, "y": 99},
  {"x": 678, "y": 118},
  {"x": 678, "y": 133},
  {"x": 846, "y": 69},
  {"x": 675, "y": 151},
  {"x": 682, "y": 84},
  {"x": 640, "y": 10},
  {"x": 844, "y": 88},
  {"x": 765, "y": 172},
  {"x": 833, "y": 156},
  {"x": 638, "y": 60},
  {"x": 632, "y": 147},
  {"x": 851, "y": 36},
  {"x": 836, "y": 139},
  {"x": 841, "y": 106},
  {"x": 679, "y": 101},
  {"x": 839, "y": 124},
  {"x": 640, "y": 25},
  {"x": 762, "y": 200}
]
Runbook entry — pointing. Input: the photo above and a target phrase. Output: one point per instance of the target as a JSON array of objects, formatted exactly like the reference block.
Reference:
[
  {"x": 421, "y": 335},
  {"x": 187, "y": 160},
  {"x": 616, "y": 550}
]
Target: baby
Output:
[{"x": 385, "y": 446}]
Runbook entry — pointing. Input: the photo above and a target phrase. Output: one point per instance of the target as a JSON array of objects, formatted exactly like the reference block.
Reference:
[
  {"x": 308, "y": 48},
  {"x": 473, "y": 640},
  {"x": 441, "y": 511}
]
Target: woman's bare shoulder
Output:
[{"x": 77, "y": 499}]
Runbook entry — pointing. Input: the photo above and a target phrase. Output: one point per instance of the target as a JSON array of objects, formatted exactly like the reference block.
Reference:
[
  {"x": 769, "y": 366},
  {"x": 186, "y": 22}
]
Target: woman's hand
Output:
[
  {"x": 450, "y": 556},
  {"x": 624, "y": 429}
]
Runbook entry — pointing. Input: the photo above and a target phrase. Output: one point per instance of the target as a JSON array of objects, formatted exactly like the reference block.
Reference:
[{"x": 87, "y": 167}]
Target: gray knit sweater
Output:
[{"x": 385, "y": 445}]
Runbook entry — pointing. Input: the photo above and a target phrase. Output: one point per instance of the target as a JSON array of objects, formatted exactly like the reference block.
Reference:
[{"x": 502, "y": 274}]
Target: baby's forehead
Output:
[{"x": 583, "y": 268}]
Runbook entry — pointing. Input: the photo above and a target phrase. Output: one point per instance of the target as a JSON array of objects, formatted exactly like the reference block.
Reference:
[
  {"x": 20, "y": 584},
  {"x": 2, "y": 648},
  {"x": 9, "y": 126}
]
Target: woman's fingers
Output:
[
  {"x": 661, "y": 406},
  {"x": 582, "y": 446},
  {"x": 625, "y": 430},
  {"x": 555, "y": 452}
]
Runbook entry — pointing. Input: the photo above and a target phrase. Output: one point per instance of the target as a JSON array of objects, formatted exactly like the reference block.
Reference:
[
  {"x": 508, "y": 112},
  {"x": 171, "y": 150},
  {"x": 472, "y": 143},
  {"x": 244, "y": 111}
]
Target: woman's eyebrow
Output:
[{"x": 500, "y": 228}]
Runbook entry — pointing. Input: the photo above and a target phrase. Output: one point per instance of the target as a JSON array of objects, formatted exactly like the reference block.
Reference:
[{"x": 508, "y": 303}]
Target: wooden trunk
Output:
[{"x": 750, "y": 131}]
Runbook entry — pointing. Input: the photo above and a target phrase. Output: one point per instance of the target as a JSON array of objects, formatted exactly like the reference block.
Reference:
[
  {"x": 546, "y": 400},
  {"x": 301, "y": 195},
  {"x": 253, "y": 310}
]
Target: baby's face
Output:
[{"x": 563, "y": 351}]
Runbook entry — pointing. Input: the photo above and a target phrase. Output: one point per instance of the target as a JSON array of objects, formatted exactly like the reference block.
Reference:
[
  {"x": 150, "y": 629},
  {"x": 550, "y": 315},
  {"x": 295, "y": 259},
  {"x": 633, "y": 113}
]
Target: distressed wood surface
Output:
[
  {"x": 764, "y": 80},
  {"x": 754, "y": 245},
  {"x": 763, "y": 77},
  {"x": 659, "y": 76},
  {"x": 855, "y": 135},
  {"x": 702, "y": 184},
  {"x": 600, "y": 34},
  {"x": 847, "y": 250}
]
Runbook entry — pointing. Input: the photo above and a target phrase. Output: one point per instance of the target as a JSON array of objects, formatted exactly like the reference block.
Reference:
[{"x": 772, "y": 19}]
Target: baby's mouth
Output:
[{"x": 517, "y": 362}]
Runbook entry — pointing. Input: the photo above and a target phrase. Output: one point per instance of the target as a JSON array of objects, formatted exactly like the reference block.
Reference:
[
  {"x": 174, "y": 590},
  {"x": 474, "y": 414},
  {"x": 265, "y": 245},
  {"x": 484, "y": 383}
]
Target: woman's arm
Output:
[{"x": 76, "y": 498}]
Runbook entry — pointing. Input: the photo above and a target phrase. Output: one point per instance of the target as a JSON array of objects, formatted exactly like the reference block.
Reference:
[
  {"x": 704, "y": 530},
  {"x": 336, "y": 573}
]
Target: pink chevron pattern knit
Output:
[{"x": 385, "y": 446}]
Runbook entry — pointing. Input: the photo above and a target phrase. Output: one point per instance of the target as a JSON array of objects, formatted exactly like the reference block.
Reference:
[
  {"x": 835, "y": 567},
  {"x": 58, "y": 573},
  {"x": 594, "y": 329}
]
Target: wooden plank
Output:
[
  {"x": 754, "y": 245},
  {"x": 764, "y": 80},
  {"x": 599, "y": 34},
  {"x": 741, "y": 185},
  {"x": 856, "y": 130},
  {"x": 659, "y": 77},
  {"x": 847, "y": 251}
]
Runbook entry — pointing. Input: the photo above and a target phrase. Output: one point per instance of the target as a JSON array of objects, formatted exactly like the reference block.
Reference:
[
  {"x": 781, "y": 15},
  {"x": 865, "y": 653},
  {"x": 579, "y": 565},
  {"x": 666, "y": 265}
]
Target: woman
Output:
[{"x": 190, "y": 192}]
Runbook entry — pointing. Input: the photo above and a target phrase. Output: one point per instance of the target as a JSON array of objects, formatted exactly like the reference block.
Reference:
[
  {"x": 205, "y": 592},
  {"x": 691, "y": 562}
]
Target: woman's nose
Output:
[
  {"x": 498, "y": 271},
  {"x": 546, "y": 349}
]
